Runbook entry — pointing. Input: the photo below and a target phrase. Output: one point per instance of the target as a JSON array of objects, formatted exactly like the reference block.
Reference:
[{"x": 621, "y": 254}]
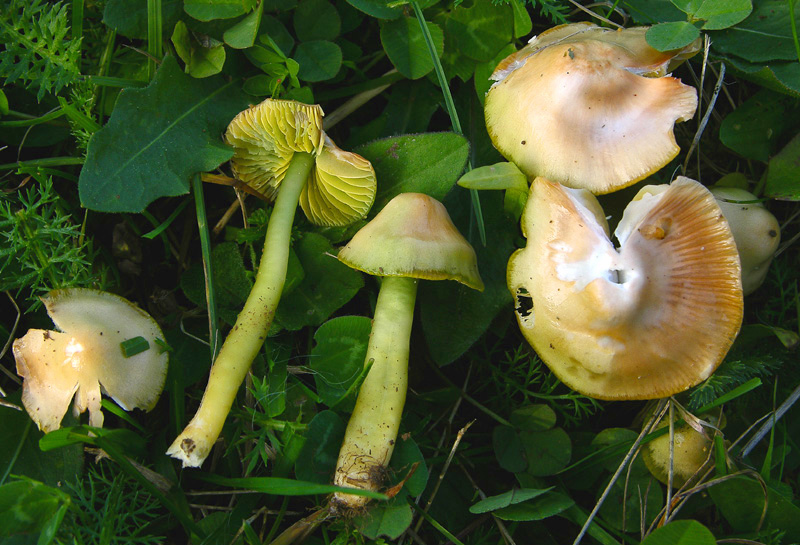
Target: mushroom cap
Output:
[
  {"x": 690, "y": 452},
  {"x": 85, "y": 356},
  {"x": 756, "y": 231},
  {"x": 646, "y": 321},
  {"x": 589, "y": 107},
  {"x": 265, "y": 137},
  {"x": 414, "y": 237}
]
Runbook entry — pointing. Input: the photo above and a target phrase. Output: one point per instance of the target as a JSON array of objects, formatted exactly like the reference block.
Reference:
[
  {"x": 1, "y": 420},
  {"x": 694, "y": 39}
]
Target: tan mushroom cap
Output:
[
  {"x": 646, "y": 321},
  {"x": 342, "y": 186},
  {"x": 85, "y": 357},
  {"x": 589, "y": 107},
  {"x": 413, "y": 236}
]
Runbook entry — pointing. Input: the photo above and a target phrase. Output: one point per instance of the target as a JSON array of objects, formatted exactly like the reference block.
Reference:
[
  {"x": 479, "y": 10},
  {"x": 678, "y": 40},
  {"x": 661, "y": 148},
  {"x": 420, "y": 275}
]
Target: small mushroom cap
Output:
[
  {"x": 691, "y": 450},
  {"x": 85, "y": 357},
  {"x": 588, "y": 107},
  {"x": 413, "y": 236},
  {"x": 756, "y": 231},
  {"x": 265, "y": 137},
  {"x": 646, "y": 321}
]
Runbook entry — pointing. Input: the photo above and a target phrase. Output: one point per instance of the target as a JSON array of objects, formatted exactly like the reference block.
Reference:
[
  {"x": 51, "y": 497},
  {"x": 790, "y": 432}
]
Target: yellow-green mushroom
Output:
[
  {"x": 281, "y": 151},
  {"x": 412, "y": 238}
]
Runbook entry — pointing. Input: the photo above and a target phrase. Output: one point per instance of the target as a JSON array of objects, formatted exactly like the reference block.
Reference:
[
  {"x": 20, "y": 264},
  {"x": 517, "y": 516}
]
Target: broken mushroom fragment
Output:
[
  {"x": 644, "y": 321},
  {"x": 589, "y": 107},
  {"x": 411, "y": 238},
  {"x": 91, "y": 352},
  {"x": 756, "y": 231}
]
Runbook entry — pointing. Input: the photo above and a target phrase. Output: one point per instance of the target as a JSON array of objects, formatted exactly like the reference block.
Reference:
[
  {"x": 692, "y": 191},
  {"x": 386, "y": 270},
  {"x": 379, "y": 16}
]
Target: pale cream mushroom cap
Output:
[
  {"x": 756, "y": 231},
  {"x": 588, "y": 107},
  {"x": 691, "y": 450},
  {"x": 413, "y": 236},
  {"x": 85, "y": 358},
  {"x": 265, "y": 137},
  {"x": 646, "y": 321}
]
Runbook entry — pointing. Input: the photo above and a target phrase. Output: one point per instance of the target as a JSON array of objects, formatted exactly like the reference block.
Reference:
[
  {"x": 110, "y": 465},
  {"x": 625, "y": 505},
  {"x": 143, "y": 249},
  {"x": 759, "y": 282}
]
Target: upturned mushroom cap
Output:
[
  {"x": 342, "y": 186},
  {"x": 589, "y": 107},
  {"x": 646, "y": 321},
  {"x": 413, "y": 236},
  {"x": 85, "y": 356}
]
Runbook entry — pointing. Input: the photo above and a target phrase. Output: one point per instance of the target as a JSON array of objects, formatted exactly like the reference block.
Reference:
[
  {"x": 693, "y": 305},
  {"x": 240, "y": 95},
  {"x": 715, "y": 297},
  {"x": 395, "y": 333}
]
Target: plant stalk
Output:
[
  {"x": 247, "y": 336},
  {"x": 372, "y": 430}
]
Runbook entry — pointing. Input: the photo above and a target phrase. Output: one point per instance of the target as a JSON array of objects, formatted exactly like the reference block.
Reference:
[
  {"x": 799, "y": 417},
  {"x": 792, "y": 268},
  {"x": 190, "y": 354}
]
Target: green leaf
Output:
[
  {"x": 316, "y": 20},
  {"x": 386, "y": 520},
  {"x": 766, "y": 35},
  {"x": 133, "y": 346},
  {"x": 243, "y": 34},
  {"x": 755, "y": 127},
  {"x": 27, "y": 506},
  {"x": 317, "y": 459},
  {"x": 129, "y": 17},
  {"x": 380, "y": 9},
  {"x": 485, "y": 70},
  {"x": 522, "y": 19},
  {"x": 3, "y": 103},
  {"x": 273, "y": 29},
  {"x": 319, "y": 60},
  {"x": 613, "y": 443},
  {"x": 642, "y": 494},
  {"x": 668, "y": 36},
  {"x": 497, "y": 176},
  {"x": 328, "y": 284},
  {"x": 533, "y": 418},
  {"x": 427, "y": 163},
  {"x": 406, "y": 454},
  {"x": 681, "y": 532},
  {"x": 512, "y": 497},
  {"x": 537, "y": 509},
  {"x": 480, "y": 31},
  {"x": 201, "y": 61},
  {"x": 209, "y": 10},
  {"x": 157, "y": 139},
  {"x": 404, "y": 43},
  {"x": 783, "y": 175},
  {"x": 508, "y": 449},
  {"x": 286, "y": 487},
  {"x": 741, "y": 502},
  {"x": 338, "y": 358},
  {"x": 721, "y": 14},
  {"x": 548, "y": 452}
]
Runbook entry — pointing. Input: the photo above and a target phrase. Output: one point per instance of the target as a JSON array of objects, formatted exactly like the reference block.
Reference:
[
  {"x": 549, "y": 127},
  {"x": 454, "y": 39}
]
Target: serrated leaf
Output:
[
  {"x": 209, "y": 10},
  {"x": 158, "y": 138},
  {"x": 512, "y": 497},
  {"x": 405, "y": 45},
  {"x": 681, "y": 532},
  {"x": 319, "y": 60},
  {"x": 427, "y": 163},
  {"x": 783, "y": 175},
  {"x": 668, "y": 36}
]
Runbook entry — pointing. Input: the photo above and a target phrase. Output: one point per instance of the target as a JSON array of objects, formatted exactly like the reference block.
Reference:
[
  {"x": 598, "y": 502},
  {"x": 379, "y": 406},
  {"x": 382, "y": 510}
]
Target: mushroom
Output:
[
  {"x": 589, "y": 107},
  {"x": 648, "y": 320},
  {"x": 280, "y": 151},
  {"x": 411, "y": 238},
  {"x": 104, "y": 343},
  {"x": 755, "y": 229}
]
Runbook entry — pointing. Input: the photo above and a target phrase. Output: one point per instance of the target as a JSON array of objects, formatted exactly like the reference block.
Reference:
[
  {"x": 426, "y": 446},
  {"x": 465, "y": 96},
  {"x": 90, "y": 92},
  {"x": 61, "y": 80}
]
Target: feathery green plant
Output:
[{"x": 37, "y": 51}]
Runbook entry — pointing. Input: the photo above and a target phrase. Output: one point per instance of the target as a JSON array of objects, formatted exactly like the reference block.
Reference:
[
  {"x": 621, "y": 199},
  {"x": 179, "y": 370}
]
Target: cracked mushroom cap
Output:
[
  {"x": 589, "y": 107},
  {"x": 644, "y": 321},
  {"x": 265, "y": 137},
  {"x": 413, "y": 236},
  {"x": 86, "y": 356}
]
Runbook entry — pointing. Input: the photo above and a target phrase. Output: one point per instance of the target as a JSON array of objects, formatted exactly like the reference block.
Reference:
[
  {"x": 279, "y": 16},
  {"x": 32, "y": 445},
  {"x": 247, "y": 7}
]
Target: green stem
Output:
[
  {"x": 372, "y": 430},
  {"x": 205, "y": 247},
  {"x": 248, "y": 334}
]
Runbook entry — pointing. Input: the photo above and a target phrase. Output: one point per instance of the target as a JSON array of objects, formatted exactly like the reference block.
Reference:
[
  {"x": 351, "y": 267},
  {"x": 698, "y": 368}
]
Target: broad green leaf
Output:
[
  {"x": 129, "y": 17},
  {"x": 380, "y": 9},
  {"x": 755, "y": 127},
  {"x": 652, "y": 11},
  {"x": 783, "y": 175},
  {"x": 522, "y": 19},
  {"x": 243, "y": 34},
  {"x": 548, "y": 452},
  {"x": 538, "y": 417},
  {"x": 27, "y": 506},
  {"x": 338, "y": 358},
  {"x": 783, "y": 77},
  {"x": 766, "y": 35},
  {"x": 741, "y": 502},
  {"x": 317, "y": 459},
  {"x": 386, "y": 520},
  {"x": 261, "y": 85},
  {"x": 209, "y": 10},
  {"x": 406, "y": 454},
  {"x": 285, "y": 487},
  {"x": 720, "y": 14},
  {"x": 3, "y": 103},
  {"x": 201, "y": 61},
  {"x": 508, "y": 449},
  {"x": 427, "y": 163},
  {"x": 404, "y": 43},
  {"x": 480, "y": 31},
  {"x": 319, "y": 60},
  {"x": 512, "y": 497},
  {"x": 485, "y": 70},
  {"x": 157, "y": 139},
  {"x": 497, "y": 176},
  {"x": 681, "y": 532},
  {"x": 537, "y": 509},
  {"x": 411, "y": 106},
  {"x": 328, "y": 284},
  {"x": 316, "y": 20},
  {"x": 273, "y": 29},
  {"x": 643, "y": 493},
  {"x": 687, "y": 6},
  {"x": 668, "y": 36},
  {"x": 613, "y": 444}
]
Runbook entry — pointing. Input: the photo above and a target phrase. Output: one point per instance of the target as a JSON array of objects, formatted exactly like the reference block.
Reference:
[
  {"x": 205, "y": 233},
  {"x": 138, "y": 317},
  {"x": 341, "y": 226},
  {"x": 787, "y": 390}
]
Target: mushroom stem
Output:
[
  {"x": 246, "y": 338},
  {"x": 372, "y": 430}
]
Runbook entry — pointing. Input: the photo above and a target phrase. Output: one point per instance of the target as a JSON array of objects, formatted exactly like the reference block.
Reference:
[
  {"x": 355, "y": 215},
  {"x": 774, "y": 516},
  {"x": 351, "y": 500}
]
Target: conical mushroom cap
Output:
[
  {"x": 646, "y": 321},
  {"x": 587, "y": 107},
  {"x": 342, "y": 186},
  {"x": 413, "y": 236},
  {"x": 86, "y": 356}
]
